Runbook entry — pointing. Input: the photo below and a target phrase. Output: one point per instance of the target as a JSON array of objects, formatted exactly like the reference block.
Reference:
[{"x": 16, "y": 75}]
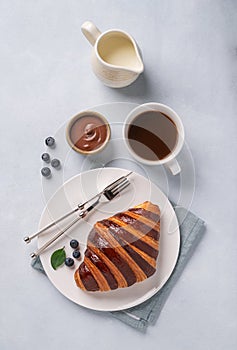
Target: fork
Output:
[
  {"x": 80, "y": 206},
  {"x": 110, "y": 192}
]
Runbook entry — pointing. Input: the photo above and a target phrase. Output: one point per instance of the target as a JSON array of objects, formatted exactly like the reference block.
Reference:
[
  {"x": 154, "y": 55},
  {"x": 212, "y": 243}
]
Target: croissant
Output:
[{"x": 121, "y": 250}]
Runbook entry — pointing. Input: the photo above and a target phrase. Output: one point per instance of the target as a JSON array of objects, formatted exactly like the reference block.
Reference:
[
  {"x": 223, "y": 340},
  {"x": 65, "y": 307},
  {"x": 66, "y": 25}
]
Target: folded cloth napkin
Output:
[{"x": 142, "y": 315}]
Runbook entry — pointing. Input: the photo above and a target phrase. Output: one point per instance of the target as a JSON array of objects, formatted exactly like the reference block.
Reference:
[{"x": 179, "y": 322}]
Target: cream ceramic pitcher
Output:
[{"x": 116, "y": 60}]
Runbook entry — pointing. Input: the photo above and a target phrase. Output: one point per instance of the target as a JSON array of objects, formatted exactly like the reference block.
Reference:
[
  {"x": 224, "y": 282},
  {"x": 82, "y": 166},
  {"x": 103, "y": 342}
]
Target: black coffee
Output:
[{"x": 152, "y": 135}]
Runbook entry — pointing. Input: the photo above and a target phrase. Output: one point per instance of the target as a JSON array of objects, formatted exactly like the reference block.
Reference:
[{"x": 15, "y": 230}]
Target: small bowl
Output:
[{"x": 79, "y": 116}]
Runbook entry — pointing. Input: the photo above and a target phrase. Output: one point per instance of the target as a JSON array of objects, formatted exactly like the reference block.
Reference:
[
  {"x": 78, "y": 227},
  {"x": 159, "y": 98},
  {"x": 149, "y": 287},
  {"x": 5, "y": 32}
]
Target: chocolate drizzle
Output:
[{"x": 122, "y": 250}]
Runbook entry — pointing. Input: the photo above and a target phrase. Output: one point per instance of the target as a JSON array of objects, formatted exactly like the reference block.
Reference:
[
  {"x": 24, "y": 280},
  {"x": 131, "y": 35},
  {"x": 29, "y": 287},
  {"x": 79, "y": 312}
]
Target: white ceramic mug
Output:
[
  {"x": 170, "y": 160},
  {"x": 115, "y": 59}
]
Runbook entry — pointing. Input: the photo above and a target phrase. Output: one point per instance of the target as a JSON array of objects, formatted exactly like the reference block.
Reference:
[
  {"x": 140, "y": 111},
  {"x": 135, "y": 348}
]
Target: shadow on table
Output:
[{"x": 140, "y": 88}]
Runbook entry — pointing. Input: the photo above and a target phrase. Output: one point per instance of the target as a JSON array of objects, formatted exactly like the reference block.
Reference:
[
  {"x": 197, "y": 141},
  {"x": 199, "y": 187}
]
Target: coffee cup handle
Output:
[
  {"x": 90, "y": 31},
  {"x": 173, "y": 166}
]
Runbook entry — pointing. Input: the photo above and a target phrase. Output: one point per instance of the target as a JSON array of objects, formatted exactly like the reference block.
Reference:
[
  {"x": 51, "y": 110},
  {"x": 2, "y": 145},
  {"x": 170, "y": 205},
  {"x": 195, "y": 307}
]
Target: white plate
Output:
[{"x": 82, "y": 187}]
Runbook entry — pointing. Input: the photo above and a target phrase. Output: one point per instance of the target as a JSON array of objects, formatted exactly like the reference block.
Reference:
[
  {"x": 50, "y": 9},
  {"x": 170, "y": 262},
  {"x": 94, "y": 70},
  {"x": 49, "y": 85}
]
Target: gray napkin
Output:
[{"x": 141, "y": 316}]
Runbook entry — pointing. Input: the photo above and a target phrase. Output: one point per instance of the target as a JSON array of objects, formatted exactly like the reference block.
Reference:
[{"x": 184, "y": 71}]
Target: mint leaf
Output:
[{"x": 58, "y": 258}]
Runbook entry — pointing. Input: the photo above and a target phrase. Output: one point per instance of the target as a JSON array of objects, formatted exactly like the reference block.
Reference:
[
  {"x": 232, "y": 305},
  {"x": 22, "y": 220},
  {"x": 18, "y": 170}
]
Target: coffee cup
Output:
[{"x": 154, "y": 135}]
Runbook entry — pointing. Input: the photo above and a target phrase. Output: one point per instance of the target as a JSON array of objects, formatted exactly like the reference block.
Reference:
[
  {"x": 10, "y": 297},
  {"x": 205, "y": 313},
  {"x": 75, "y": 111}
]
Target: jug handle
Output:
[{"x": 90, "y": 31}]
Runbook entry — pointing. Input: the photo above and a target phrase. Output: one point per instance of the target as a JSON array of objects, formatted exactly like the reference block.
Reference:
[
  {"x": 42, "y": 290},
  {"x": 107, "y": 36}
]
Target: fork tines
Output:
[{"x": 117, "y": 182}]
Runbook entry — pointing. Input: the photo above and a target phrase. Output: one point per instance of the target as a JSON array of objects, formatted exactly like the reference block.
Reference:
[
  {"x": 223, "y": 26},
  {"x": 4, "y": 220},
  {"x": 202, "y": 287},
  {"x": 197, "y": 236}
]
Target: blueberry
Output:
[
  {"x": 45, "y": 157},
  {"x": 50, "y": 141},
  {"x": 69, "y": 262},
  {"x": 76, "y": 254},
  {"x": 74, "y": 243},
  {"x": 46, "y": 172},
  {"x": 55, "y": 163}
]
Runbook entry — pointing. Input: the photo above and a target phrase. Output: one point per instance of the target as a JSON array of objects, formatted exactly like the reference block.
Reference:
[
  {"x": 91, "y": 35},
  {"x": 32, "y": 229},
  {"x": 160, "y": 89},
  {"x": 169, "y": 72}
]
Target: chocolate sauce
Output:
[
  {"x": 132, "y": 239},
  {"x": 106, "y": 248},
  {"x": 152, "y": 135},
  {"x": 88, "y": 133},
  {"x": 103, "y": 268}
]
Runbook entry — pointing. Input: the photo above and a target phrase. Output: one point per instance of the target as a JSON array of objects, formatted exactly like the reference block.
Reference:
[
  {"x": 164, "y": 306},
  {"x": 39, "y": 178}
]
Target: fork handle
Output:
[
  {"x": 28, "y": 239},
  {"x": 53, "y": 239},
  {"x": 60, "y": 233}
]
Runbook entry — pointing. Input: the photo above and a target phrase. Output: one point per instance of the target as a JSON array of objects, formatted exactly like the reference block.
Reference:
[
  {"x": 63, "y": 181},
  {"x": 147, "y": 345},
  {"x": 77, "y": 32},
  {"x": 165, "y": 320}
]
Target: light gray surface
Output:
[{"x": 190, "y": 55}]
